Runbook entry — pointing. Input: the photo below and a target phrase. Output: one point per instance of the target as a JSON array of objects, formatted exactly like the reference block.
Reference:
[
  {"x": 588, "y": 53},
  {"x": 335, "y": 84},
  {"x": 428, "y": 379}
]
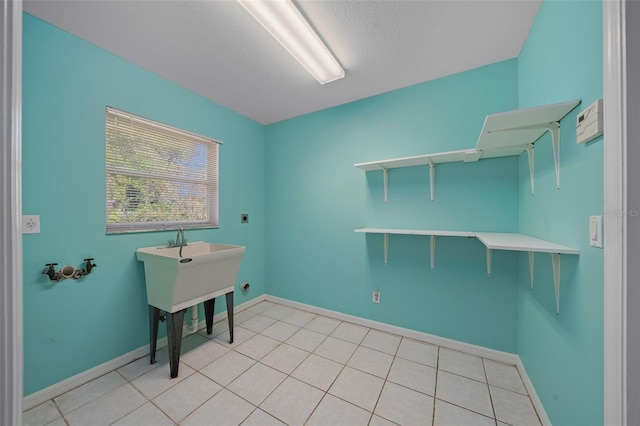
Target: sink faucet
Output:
[{"x": 180, "y": 240}]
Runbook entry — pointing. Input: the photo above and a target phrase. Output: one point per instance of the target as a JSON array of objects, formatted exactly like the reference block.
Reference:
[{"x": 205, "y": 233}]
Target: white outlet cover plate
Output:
[{"x": 31, "y": 224}]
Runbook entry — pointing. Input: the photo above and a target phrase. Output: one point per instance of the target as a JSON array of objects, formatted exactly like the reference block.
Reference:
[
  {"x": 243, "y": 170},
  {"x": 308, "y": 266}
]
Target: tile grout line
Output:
[
  {"x": 55, "y": 404},
  {"x": 468, "y": 378},
  {"x": 289, "y": 374},
  {"x": 386, "y": 377},
  {"x": 167, "y": 414},
  {"x": 280, "y": 384},
  {"x": 134, "y": 409},
  {"x": 209, "y": 339},
  {"x": 460, "y": 375},
  {"x": 535, "y": 410},
  {"x": 486, "y": 377},
  {"x": 255, "y": 407},
  {"x": 192, "y": 411},
  {"x": 435, "y": 387},
  {"x": 334, "y": 380}
]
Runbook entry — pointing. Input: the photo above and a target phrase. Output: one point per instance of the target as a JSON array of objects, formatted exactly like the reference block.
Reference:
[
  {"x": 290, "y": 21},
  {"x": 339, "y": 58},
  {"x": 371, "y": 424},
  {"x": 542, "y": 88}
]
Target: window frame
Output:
[{"x": 212, "y": 182}]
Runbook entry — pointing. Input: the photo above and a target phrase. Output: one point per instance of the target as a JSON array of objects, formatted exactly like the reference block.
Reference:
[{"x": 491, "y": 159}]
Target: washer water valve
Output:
[{"x": 68, "y": 271}]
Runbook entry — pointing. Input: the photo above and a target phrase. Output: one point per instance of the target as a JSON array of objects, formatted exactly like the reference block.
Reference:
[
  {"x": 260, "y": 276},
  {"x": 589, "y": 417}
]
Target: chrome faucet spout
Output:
[{"x": 180, "y": 240}]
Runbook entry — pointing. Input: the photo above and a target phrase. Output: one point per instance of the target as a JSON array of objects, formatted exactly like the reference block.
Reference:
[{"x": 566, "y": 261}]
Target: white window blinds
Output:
[{"x": 158, "y": 177}]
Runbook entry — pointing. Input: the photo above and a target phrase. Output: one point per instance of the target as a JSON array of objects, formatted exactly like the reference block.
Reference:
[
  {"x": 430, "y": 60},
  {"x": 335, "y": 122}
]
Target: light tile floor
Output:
[{"x": 288, "y": 366}]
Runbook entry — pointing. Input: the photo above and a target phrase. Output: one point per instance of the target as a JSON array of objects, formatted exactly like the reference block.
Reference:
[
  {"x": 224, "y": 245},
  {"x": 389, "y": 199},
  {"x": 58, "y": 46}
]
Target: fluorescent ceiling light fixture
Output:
[{"x": 283, "y": 20}]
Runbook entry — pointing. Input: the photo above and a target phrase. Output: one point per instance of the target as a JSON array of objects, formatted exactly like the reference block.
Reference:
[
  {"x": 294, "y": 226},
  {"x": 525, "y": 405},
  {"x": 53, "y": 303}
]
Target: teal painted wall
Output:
[
  {"x": 300, "y": 240},
  {"x": 72, "y": 326},
  {"x": 316, "y": 198},
  {"x": 563, "y": 355}
]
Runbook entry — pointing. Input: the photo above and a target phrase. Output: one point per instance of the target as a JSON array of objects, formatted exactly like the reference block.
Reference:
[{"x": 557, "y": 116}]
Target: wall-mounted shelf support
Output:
[
  {"x": 554, "y": 128},
  {"x": 531, "y": 157},
  {"x": 520, "y": 242},
  {"x": 555, "y": 263},
  {"x": 432, "y": 178},
  {"x": 385, "y": 182},
  {"x": 386, "y": 248},
  {"x": 492, "y": 241},
  {"x": 432, "y": 244},
  {"x": 503, "y": 135},
  {"x": 385, "y": 233},
  {"x": 531, "y": 254}
]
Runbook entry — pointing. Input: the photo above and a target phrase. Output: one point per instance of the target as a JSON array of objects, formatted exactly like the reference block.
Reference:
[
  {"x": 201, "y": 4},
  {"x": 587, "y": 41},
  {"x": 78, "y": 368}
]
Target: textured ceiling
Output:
[{"x": 216, "y": 49}]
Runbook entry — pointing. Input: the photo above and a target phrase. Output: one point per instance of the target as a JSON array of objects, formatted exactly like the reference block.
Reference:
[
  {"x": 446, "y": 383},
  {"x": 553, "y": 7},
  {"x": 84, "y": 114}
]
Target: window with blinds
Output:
[{"x": 158, "y": 177}]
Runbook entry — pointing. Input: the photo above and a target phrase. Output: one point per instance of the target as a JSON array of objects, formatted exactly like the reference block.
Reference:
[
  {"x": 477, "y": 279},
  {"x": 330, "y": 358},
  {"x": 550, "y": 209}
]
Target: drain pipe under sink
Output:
[{"x": 190, "y": 329}]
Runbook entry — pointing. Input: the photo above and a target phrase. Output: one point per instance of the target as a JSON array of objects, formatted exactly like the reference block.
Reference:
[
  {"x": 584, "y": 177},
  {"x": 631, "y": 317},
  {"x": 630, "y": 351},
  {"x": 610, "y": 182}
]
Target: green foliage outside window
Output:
[{"x": 158, "y": 174}]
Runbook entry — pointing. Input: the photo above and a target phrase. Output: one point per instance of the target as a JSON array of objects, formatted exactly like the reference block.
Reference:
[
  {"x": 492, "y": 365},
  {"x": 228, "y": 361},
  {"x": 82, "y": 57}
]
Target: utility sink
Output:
[
  {"x": 204, "y": 272},
  {"x": 175, "y": 281}
]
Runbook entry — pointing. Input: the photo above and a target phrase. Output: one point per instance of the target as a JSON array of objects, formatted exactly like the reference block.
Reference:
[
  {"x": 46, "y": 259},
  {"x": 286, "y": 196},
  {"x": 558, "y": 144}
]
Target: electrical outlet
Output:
[
  {"x": 376, "y": 296},
  {"x": 31, "y": 224}
]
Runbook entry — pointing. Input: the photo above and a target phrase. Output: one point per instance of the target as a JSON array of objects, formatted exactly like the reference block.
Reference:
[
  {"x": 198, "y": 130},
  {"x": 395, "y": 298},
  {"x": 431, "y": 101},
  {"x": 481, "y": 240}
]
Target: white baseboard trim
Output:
[
  {"x": 500, "y": 356},
  {"x": 537, "y": 404},
  {"x": 53, "y": 391}
]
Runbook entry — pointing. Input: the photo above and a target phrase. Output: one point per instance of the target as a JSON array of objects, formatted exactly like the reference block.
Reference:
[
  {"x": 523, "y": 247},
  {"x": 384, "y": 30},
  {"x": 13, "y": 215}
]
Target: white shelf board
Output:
[
  {"x": 465, "y": 155},
  {"x": 416, "y": 232},
  {"x": 521, "y": 242},
  {"x": 521, "y": 127},
  {"x": 503, "y": 152},
  {"x": 504, "y": 134},
  {"x": 418, "y": 160},
  {"x": 430, "y": 233},
  {"x": 491, "y": 240}
]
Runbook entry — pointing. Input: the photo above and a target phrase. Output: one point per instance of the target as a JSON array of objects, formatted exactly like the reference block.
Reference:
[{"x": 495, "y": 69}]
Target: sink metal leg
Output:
[
  {"x": 154, "y": 319},
  {"x": 174, "y": 336},
  {"x": 209, "y": 306},
  {"x": 229, "y": 297}
]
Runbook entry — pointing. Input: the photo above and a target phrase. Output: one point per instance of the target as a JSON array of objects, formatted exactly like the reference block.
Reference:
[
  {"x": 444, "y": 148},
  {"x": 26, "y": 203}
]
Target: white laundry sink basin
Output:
[{"x": 204, "y": 272}]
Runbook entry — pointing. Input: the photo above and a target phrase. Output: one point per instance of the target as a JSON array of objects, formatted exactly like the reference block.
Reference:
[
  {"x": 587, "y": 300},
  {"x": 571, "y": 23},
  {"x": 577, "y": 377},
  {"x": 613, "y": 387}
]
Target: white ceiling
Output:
[{"x": 216, "y": 49}]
